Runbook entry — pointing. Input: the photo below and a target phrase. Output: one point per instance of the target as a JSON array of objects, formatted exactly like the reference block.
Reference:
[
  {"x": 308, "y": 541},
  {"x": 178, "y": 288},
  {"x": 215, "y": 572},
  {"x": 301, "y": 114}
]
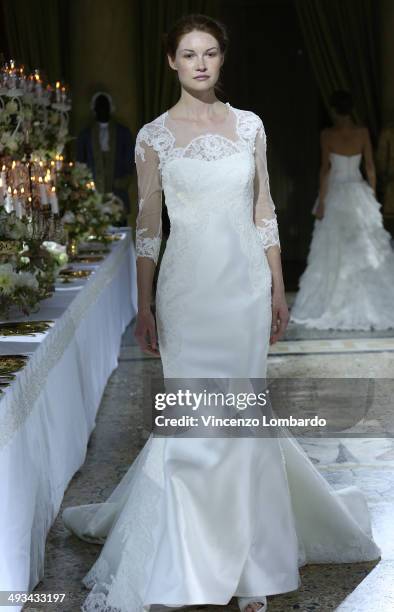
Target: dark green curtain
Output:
[
  {"x": 159, "y": 88},
  {"x": 37, "y": 33},
  {"x": 342, "y": 37}
]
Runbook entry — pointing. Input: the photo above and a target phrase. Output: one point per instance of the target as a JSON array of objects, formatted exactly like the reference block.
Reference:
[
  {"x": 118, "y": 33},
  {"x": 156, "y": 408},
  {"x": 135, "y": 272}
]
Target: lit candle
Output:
[
  {"x": 29, "y": 207},
  {"x": 54, "y": 202},
  {"x": 30, "y": 83},
  {"x": 42, "y": 190},
  {"x": 8, "y": 205},
  {"x": 57, "y": 91},
  {"x": 12, "y": 82},
  {"x": 38, "y": 84},
  {"x": 1, "y": 192},
  {"x": 17, "y": 204},
  {"x": 21, "y": 79},
  {"x": 22, "y": 201}
]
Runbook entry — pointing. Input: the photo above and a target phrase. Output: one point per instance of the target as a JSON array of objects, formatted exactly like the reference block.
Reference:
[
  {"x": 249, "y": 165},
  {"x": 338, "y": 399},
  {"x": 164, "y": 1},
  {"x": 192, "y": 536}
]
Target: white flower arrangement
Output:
[
  {"x": 10, "y": 279},
  {"x": 7, "y": 279},
  {"x": 26, "y": 279},
  {"x": 58, "y": 252},
  {"x": 10, "y": 142},
  {"x": 28, "y": 267},
  {"x": 47, "y": 133},
  {"x": 84, "y": 210},
  {"x": 69, "y": 217}
]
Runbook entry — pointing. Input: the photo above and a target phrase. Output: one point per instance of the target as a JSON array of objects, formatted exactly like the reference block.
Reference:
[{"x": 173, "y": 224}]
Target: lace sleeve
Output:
[
  {"x": 148, "y": 224},
  {"x": 264, "y": 208}
]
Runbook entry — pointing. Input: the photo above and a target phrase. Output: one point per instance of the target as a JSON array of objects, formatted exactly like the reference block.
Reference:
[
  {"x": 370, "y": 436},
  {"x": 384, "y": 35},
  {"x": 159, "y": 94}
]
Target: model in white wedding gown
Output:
[
  {"x": 197, "y": 521},
  {"x": 349, "y": 279}
]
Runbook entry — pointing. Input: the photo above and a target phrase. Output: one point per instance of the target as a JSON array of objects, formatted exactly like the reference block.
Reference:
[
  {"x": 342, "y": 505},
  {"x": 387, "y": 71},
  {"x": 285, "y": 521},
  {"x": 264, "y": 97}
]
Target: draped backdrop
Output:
[
  {"x": 342, "y": 38},
  {"x": 37, "y": 35},
  {"x": 285, "y": 59}
]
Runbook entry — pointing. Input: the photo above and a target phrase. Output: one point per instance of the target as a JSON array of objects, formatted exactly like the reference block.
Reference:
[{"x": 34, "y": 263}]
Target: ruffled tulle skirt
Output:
[{"x": 349, "y": 279}]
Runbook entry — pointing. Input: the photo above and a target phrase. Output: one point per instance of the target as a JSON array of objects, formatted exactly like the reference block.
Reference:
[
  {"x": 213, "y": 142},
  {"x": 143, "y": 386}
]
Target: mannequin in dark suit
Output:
[{"x": 107, "y": 147}]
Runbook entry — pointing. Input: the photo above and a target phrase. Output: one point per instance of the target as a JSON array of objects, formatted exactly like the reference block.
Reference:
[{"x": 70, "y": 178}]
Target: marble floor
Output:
[{"x": 363, "y": 460}]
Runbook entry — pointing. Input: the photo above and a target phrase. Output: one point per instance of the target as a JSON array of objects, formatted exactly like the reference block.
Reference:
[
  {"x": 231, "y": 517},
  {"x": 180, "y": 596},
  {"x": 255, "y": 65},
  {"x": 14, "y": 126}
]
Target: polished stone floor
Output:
[{"x": 365, "y": 461}]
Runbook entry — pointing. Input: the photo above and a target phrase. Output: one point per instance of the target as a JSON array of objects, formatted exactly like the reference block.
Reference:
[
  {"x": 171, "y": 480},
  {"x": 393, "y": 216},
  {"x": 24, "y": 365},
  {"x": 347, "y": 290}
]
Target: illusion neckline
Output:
[
  {"x": 167, "y": 114},
  {"x": 205, "y": 134}
]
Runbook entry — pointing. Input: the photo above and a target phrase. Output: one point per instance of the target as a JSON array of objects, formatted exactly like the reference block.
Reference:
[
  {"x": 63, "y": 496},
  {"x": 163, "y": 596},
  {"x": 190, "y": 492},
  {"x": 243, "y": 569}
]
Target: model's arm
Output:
[
  {"x": 323, "y": 175},
  {"x": 267, "y": 226},
  {"x": 148, "y": 240},
  {"x": 383, "y": 154},
  {"x": 368, "y": 159}
]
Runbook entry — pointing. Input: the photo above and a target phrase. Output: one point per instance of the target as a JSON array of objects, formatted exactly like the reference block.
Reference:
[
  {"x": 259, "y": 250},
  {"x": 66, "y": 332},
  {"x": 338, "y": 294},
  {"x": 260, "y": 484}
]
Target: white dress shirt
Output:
[{"x": 104, "y": 136}]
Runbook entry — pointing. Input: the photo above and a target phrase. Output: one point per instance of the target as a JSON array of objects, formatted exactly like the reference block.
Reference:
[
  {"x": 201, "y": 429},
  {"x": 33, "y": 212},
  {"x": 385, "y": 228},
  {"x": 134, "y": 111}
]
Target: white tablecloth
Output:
[{"x": 48, "y": 413}]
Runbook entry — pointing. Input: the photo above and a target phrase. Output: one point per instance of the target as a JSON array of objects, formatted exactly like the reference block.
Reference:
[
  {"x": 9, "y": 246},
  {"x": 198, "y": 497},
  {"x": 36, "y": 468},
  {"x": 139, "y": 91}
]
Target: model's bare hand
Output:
[
  {"x": 145, "y": 333},
  {"x": 280, "y": 317},
  {"x": 319, "y": 212}
]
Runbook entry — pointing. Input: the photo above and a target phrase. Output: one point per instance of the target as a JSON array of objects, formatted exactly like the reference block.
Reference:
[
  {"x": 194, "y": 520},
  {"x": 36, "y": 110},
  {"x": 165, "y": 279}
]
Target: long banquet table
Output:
[{"x": 48, "y": 412}]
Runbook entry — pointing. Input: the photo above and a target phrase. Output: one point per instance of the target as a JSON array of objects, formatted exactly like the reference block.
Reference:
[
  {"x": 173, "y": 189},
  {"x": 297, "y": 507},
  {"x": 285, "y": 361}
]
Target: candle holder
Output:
[
  {"x": 72, "y": 248},
  {"x": 34, "y": 118}
]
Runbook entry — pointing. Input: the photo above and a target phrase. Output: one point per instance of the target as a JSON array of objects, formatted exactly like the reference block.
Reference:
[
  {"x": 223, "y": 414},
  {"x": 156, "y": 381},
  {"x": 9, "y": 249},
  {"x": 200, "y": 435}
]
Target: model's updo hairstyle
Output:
[
  {"x": 201, "y": 23},
  {"x": 189, "y": 23},
  {"x": 342, "y": 102}
]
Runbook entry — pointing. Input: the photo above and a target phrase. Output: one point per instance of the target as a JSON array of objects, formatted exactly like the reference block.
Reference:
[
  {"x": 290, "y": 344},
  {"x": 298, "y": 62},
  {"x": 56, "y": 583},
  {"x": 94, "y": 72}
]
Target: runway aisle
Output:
[{"x": 119, "y": 436}]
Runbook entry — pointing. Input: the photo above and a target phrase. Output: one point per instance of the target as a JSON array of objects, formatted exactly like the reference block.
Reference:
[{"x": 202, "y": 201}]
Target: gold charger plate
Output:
[
  {"x": 7, "y": 378},
  {"x": 24, "y": 328},
  {"x": 90, "y": 251},
  {"x": 12, "y": 363},
  {"x": 88, "y": 258},
  {"x": 69, "y": 272}
]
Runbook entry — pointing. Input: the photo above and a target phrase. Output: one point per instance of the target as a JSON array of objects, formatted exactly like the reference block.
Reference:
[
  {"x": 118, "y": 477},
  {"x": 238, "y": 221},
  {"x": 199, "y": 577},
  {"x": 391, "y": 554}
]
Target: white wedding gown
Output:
[
  {"x": 199, "y": 520},
  {"x": 349, "y": 279}
]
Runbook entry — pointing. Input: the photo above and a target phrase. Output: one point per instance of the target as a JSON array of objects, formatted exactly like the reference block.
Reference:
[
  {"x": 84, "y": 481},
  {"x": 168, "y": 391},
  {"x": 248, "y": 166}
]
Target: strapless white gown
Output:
[
  {"x": 349, "y": 279},
  {"x": 197, "y": 521}
]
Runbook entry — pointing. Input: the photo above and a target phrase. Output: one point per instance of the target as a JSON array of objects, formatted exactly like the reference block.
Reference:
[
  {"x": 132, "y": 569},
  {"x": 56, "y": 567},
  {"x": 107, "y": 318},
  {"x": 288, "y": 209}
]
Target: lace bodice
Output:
[{"x": 165, "y": 139}]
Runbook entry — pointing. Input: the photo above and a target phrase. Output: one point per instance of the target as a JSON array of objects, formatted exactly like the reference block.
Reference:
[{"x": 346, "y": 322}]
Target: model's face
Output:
[{"x": 198, "y": 61}]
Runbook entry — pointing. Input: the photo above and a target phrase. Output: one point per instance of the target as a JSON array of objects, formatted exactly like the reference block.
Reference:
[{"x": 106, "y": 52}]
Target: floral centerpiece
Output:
[
  {"x": 11, "y": 139},
  {"x": 28, "y": 266},
  {"x": 84, "y": 211},
  {"x": 17, "y": 288},
  {"x": 31, "y": 114},
  {"x": 46, "y": 133}
]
